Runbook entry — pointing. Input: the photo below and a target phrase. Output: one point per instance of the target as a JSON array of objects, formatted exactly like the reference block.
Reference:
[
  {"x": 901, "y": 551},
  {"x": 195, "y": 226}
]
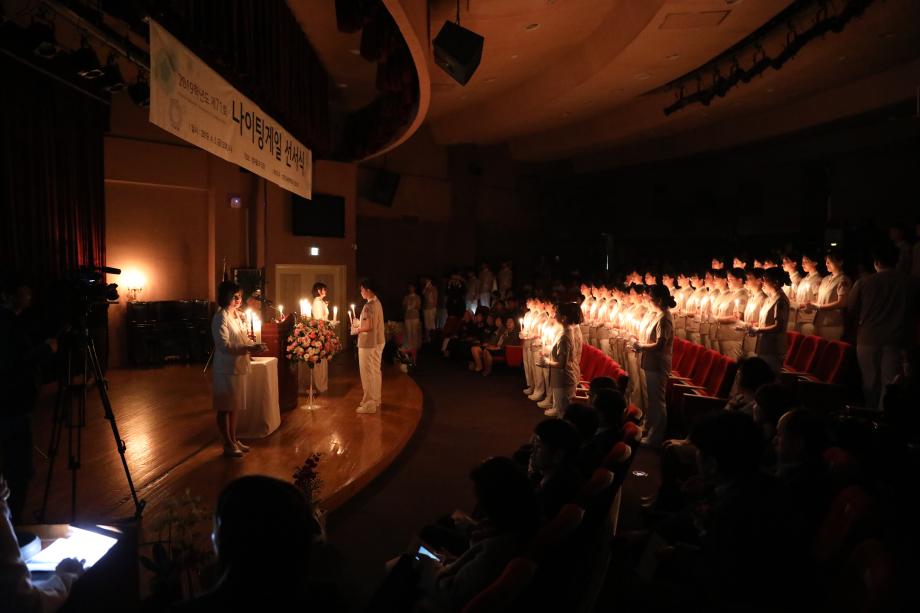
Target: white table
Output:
[{"x": 263, "y": 414}]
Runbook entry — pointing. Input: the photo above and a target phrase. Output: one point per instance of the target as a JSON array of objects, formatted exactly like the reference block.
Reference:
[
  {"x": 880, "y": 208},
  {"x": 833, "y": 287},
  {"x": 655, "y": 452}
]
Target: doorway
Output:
[{"x": 295, "y": 281}]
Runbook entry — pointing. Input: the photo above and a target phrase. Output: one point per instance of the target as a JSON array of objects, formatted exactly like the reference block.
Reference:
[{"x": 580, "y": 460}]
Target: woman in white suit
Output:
[
  {"x": 232, "y": 347},
  {"x": 320, "y": 310}
]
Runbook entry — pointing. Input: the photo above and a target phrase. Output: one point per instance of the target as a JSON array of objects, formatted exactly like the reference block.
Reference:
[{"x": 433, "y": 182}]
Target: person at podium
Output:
[
  {"x": 320, "y": 310},
  {"x": 232, "y": 346}
]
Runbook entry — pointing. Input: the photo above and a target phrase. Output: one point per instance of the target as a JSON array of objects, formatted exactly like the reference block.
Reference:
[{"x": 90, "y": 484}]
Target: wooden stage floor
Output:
[{"x": 165, "y": 417}]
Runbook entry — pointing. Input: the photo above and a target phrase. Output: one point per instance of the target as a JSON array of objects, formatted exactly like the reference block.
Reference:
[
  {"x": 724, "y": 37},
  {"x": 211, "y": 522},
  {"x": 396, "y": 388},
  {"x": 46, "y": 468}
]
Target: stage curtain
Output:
[{"x": 52, "y": 201}]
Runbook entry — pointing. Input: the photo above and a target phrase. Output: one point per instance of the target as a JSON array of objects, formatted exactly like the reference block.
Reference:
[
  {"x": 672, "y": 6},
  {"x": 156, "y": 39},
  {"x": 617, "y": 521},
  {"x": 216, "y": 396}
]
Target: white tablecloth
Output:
[{"x": 262, "y": 415}]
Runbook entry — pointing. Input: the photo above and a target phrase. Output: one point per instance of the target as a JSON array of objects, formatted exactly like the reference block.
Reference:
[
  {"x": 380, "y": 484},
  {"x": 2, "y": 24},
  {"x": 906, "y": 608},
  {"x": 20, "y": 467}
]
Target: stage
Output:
[{"x": 164, "y": 416}]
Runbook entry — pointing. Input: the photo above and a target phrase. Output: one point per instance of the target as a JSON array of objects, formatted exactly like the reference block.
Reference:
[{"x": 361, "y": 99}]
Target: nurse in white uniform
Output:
[
  {"x": 320, "y": 310},
  {"x": 832, "y": 299}
]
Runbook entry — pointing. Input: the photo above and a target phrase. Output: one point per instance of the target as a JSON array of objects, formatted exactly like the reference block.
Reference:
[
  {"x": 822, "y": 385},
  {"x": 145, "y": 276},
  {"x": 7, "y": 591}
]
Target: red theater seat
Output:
[
  {"x": 807, "y": 354},
  {"x": 793, "y": 340},
  {"x": 828, "y": 368},
  {"x": 514, "y": 355}
]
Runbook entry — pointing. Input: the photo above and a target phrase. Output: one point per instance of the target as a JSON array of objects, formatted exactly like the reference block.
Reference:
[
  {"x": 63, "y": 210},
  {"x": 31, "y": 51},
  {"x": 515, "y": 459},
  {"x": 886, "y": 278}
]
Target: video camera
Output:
[{"x": 88, "y": 284}]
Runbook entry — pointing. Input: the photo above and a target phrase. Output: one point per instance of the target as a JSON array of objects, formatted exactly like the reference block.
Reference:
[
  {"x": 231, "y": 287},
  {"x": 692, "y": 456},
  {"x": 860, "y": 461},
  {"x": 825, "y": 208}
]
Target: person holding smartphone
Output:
[{"x": 232, "y": 348}]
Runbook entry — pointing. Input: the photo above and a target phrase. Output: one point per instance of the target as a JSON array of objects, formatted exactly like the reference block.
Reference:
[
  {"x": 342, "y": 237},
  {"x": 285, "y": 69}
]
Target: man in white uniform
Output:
[
  {"x": 429, "y": 306},
  {"x": 371, "y": 339}
]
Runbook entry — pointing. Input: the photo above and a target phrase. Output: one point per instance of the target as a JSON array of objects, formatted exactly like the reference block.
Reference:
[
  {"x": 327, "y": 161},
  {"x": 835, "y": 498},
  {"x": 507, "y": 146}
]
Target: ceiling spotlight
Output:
[
  {"x": 530, "y": 27},
  {"x": 41, "y": 35},
  {"x": 85, "y": 63},
  {"x": 112, "y": 81},
  {"x": 672, "y": 57},
  {"x": 643, "y": 76},
  {"x": 140, "y": 92},
  {"x": 491, "y": 80}
]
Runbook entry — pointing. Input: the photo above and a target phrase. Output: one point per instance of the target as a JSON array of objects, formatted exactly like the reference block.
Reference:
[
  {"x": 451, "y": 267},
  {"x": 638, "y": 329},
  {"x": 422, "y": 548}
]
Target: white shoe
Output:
[
  {"x": 535, "y": 397},
  {"x": 545, "y": 404},
  {"x": 366, "y": 409},
  {"x": 232, "y": 451},
  {"x": 528, "y": 391},
  {"x": 551, "y": 412}
]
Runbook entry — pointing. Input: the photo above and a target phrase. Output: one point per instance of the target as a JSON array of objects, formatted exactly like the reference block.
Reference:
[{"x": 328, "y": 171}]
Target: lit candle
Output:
[
  {"x": 737, "y": 302},
  {"x": 335, "y": 313},
  {"x": 353, "y": 315},
  {"x": 303, "y": 307},
  {"x": 257, "y": 328},
  {"x": 281, "y": 312},
  {"x": 251, "y": 326}
]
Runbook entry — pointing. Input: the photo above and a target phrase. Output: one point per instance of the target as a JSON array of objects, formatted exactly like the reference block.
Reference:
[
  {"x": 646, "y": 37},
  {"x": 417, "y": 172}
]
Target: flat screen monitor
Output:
[{"x": 324, "y": 215}]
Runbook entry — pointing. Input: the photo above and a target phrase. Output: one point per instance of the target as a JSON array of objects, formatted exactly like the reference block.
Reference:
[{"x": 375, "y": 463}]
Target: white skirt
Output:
[{"x": 229, "y": 392}]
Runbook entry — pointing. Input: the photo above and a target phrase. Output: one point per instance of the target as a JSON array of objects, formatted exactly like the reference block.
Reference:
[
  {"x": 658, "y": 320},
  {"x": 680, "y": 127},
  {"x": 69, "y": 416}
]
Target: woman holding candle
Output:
[
  {"x": 832, "y": 299},
  {"x": 320, "y": 310},
  {"x": 230, "y": 330},
  {"x": 770, "y": 329},
  {"x": 655, "y": 351},
  {"x": 562, "y": 362},
  {"x": 806, "y": 294},
  {"x": 729, "y": 313},
  {"x": 371, "y": 339},
  {"x": 756, "y": 297}
]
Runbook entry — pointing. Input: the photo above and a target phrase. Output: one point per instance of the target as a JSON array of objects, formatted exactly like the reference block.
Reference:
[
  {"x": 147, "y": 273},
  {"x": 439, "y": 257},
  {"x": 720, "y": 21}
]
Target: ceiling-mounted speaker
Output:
[{"x": 458, "y": 51}]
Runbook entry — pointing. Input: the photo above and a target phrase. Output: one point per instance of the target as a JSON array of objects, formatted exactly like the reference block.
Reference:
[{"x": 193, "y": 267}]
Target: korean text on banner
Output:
[{"x": 190, "y": 100}]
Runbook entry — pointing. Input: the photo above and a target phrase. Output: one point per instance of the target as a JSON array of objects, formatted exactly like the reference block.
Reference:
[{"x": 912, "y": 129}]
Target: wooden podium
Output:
[{"x": 275, "y": 335}]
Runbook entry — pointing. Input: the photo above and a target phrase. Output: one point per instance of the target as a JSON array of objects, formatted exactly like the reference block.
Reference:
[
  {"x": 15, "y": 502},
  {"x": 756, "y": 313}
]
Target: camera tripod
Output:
[{"x": 70, "y": 415}]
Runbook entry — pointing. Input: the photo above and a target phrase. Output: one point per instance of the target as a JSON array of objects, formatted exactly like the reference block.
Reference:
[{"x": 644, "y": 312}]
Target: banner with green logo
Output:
[{"x": 193, "y": 102}]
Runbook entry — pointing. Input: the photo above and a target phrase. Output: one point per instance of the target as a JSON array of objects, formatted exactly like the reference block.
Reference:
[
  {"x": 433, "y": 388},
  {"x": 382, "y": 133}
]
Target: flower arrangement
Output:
[
  {"x": 394, "y": 331},
  {"x": 312, "y": 341},
  {"x": 306, "y": 479}
]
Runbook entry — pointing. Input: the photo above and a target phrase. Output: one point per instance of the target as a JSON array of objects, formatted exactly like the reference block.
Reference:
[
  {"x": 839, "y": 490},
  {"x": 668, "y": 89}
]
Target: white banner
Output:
[{"x": 193, "y": 102}]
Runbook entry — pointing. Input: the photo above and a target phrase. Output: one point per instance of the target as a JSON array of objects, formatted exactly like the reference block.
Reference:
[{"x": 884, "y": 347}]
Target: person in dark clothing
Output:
[
  {"x": 610, "y": 405},
  {"x": 456, "y": 295},
  {"x": 264, "y": 531},
  {"x": 20, "y": 380},
  {"x": 554, "y": 445}
]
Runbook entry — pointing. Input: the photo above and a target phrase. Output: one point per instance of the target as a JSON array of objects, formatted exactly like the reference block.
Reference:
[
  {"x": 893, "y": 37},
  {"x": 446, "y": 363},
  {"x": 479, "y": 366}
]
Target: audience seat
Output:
[
  {"x": 850, "y": 513},
  {"x": 500, "y": 595},
  {"x": 793, "y": 341},
  {"x": 514, "y": 355},
  {"x": 684, "y": 366},
  {"x": 866, "y": 583},
  {"x": 810, "y": 347},
  {"x": 714, "y": 389}
]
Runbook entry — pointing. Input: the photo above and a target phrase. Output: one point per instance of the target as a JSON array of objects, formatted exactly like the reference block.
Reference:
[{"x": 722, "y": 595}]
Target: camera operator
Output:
[{"x": 20, "y": 380}]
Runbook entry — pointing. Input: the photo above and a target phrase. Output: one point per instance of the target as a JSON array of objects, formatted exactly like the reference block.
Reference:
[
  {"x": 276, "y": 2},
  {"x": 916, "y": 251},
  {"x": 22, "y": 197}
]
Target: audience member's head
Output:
[
  {"x": 885, "y": 255},
  {"x": 263, "y": 526},
  {"x": 801, "y": 438},
  {"x": 610, "y": 405},
  {"x": 600, "y": 383},
  {"x": 754, "y": 372},
  {"x": 555, "y": 442},
  {"x": 505, "y": 495},
  {"x": 584, "y": 418},
  {"x": 771, "y": 401},
  {"x": 730, "y": 446}
]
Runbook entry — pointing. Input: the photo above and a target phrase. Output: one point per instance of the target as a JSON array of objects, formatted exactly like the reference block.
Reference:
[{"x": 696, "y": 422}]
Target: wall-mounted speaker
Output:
[{"x": 458, "y": 51}]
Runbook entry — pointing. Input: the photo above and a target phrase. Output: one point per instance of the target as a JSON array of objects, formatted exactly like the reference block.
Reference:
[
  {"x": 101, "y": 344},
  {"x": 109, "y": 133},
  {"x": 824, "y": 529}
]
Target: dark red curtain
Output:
[{"x": 52, "y": 203}]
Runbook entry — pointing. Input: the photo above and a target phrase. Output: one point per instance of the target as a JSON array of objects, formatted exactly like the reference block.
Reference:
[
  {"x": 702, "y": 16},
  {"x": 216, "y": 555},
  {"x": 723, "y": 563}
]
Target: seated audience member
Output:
[
  {"x": 752, "y": 374},
  {"x": 585, "y": 419},
  {"x": 553, "y": 448},
  {"x": 736, "y": 555},
  {"x": 509, "y": 510},
  {"x": 600, "y": 383},
  {"x": 805, "y": 495},
  {"x": 264, "y": 530},
  {"x": 610, "y": 405},
  {"x": 452, "y": 341},
  {"x": 18, "y": 591},
  {"x": 900, "y": 398},
  {"x": 494, "y": 345}
]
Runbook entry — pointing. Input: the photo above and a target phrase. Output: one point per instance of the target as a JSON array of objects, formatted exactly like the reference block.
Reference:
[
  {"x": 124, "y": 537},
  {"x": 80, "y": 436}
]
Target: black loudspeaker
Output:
[
  {"x": 458, "y": 51},
  {"x": 382, "y": 187}
]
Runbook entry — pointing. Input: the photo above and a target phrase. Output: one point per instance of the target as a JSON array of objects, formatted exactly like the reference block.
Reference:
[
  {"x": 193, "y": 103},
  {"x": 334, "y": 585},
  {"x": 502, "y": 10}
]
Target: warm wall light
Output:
[
  {"x": 134, "y": 281},
  {"x": 314, "y": 250}
]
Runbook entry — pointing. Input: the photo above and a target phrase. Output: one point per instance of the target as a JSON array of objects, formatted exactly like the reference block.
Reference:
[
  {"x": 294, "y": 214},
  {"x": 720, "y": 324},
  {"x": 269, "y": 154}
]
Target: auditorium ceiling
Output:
[{"x": 588, "y": 80}]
